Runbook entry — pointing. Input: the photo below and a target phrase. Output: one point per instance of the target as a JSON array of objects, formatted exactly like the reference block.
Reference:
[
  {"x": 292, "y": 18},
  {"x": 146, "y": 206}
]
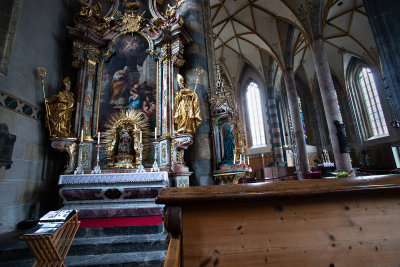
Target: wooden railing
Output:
[{"x": 347, "y": 221}]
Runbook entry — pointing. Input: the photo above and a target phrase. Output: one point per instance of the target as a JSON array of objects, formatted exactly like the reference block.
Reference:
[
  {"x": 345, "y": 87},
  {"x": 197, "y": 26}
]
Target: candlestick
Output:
[
  {"x": 96, "y": 169},
  {"x": 155, "y": 167},
  {"x": 82, "y": 137},
  {"x": 79, "y": 168},
  {"x": 141, "y": 167}
]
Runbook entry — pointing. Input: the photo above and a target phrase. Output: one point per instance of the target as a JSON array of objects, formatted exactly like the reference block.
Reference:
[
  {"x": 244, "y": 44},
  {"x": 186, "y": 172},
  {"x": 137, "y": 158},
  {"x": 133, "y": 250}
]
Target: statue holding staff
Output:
[
  {"x": 59, "y": 111},
  {"x": 187, "y": 108}
]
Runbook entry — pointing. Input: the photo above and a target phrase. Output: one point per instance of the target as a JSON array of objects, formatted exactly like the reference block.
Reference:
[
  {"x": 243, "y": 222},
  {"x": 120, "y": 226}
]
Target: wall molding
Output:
[{"x": 20, "y": 106}]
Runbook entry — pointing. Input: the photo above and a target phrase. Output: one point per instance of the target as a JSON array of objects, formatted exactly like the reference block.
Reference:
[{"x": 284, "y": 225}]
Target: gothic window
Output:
[
  {"x": 371, "y": 103},
  {"x": 255, "y": 115}
]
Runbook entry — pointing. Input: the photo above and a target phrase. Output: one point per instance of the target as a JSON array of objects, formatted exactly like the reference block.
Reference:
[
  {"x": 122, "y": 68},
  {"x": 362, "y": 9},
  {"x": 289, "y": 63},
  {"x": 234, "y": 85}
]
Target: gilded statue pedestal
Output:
[
  {"x": 229, "y": 174},
  {"x": 123, "y": 162},
  {"x": 180, "y": 172},
  {"x": 70, "y": 146}
]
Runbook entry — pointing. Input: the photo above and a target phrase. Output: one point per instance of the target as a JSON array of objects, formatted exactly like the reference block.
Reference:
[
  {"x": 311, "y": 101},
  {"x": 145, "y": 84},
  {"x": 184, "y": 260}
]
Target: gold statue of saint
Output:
[
  {"x": 187, "y": 109},
  {"x": 59, "y": 111}
]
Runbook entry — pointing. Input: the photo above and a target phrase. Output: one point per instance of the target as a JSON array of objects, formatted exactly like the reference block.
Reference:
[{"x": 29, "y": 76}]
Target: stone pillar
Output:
[
  {"x": 385, "y": 25},
  {"x": 199, "y": 156},
  {"x": 328, "y": 95},
  {"x": 296, "y": 120},
  {"x": 275, "y": 130}
]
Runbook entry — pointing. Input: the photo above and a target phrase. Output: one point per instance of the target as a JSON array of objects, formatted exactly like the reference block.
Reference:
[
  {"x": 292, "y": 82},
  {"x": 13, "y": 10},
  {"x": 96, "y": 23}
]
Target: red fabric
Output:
[
  {"x": 123, "y": 221},
  {"x": 313, "y": 175}
]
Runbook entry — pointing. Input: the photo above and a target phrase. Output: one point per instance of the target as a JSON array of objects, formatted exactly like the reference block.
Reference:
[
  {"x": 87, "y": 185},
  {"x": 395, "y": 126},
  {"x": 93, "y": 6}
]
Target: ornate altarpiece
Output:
[{"x": 127, "y": 56}]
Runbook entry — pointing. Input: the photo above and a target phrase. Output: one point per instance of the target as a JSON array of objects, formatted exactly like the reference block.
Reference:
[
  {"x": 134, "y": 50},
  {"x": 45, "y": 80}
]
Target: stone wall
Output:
[
  {"x": 40, "y": 40},
  {"x": 385, "y": 24}
]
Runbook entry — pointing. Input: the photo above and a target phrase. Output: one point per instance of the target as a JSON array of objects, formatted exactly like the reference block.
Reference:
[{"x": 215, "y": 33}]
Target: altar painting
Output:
[{"x": 128, "y": 80}]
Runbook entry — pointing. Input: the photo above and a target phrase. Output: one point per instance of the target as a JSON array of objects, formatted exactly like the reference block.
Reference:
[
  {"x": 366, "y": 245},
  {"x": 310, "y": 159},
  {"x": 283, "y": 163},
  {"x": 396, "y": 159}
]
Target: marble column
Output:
[
  {"x": 328, "y": 95},
  {"x": 198, "y": 155},
  {"x": 303, "y": 165}
]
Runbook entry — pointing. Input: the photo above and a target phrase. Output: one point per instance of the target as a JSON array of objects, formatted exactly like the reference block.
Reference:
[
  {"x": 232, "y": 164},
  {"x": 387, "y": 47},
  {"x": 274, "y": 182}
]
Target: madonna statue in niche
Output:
[{"x": 128, "y": 79}]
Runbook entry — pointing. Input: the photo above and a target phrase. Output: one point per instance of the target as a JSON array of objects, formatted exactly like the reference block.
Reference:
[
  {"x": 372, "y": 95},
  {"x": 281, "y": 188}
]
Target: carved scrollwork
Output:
[
  {"x": 71, "y": 149},
  {"x": 178, "y": 145}
]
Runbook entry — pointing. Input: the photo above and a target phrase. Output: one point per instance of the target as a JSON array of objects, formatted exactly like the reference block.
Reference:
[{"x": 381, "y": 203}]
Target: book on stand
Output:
[{"x": 51, "y": 221}]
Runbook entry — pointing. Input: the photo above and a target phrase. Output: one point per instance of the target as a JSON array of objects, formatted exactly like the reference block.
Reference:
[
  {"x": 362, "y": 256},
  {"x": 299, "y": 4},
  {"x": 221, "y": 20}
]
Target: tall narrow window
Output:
[
  {"x": 255, "y": 115},
  {"x": 372, "y": 103}
]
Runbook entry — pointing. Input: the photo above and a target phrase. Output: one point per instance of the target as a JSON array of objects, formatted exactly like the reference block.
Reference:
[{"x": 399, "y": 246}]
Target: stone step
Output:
[
  {"x": 92, "y": 242},
  {"x": 125, "y": 230},
  {"x": 134, "y": 259},
  {"x": 115, "y": 244}
]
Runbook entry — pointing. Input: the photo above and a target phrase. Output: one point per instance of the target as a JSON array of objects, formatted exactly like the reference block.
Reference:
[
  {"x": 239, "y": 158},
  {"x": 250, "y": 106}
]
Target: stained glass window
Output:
[
  {"x": 372, "y": 102},
  {"x": 255, "y": 115}
]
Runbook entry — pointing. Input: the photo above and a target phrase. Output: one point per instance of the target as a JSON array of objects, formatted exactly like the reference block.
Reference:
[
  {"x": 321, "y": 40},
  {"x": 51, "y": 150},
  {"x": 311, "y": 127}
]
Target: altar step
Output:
[{"x": 110, "y": 246}]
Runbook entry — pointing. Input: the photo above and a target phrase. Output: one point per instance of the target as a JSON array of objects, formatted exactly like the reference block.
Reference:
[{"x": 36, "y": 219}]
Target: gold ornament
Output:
[
  {"x": 132, "y": 22},
  {"x": 122, "y": 135},
  {"x": 187, "y": 109},
  {"x": 59, "y": 111}
]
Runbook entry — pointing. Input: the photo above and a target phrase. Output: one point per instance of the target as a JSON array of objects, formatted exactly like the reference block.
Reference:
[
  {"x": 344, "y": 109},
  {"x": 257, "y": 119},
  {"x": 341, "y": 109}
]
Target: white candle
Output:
[
  {"x": 98, "y": 138},
  {"x": 140, "y": 139},
  {"x": 155, "y": 134},
  {"x": 262, "y": 155},
  {"x": 234, "y": 158},
  {"x": 248, "y": 160},
  {"x": 82, "y": 137},
  {"x": 135, "y": 127},
  {"x": 240, "y": 159}
]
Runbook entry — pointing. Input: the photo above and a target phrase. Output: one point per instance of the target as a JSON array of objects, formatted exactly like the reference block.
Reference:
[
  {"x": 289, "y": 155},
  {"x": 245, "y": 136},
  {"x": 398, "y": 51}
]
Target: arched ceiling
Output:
[{"x": 254, "y": 32}]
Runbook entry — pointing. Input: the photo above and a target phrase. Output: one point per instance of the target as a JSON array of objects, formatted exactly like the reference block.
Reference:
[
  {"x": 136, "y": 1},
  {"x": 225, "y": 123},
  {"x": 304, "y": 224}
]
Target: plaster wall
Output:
[{"x": 40, "y": 40}]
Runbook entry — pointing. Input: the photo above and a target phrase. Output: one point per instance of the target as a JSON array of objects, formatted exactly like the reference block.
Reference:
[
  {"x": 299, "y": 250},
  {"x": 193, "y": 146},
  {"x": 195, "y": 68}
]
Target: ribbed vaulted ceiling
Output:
[{"x": 254, "y": 32}]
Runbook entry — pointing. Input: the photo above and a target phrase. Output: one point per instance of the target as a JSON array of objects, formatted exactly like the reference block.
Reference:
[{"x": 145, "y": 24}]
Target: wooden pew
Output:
[{"x": 335, "y": 222}]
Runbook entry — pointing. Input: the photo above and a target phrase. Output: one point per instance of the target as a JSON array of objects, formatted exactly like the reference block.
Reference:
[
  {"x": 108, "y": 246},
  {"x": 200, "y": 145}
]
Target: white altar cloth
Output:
[{"x": 113, "y": 178}]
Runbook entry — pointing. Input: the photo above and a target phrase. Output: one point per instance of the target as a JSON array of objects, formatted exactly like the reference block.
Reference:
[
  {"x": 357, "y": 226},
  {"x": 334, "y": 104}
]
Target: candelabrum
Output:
[
  {"x": 155, "y": 167},
  {"x": 97, "y": 169},
  {"x": 79, "y": 168},
  {"x": 141, "y": 167}
]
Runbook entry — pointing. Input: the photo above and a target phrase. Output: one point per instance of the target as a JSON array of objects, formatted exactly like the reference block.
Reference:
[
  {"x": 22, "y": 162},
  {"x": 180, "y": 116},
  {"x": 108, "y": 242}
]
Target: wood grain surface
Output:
[
  {"x": 276, "y": 190},
  {"x": 355, "y": 230}
]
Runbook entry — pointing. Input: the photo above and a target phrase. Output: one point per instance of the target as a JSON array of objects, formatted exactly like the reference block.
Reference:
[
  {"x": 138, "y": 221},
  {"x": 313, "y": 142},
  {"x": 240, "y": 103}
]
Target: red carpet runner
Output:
[{"x": 125, "y": 221}]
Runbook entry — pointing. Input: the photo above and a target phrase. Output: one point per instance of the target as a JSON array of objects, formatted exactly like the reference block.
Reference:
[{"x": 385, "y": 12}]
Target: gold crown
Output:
[{"x": 67, "y": 81}]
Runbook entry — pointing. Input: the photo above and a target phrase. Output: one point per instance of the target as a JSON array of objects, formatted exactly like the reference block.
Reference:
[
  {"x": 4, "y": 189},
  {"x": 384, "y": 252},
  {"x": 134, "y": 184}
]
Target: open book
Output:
[{"x": 50, "y": 222}]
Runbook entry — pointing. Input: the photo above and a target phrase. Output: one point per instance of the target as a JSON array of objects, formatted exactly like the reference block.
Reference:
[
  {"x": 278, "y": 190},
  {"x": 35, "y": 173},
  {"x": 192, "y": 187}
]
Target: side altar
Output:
[
  {"x": 229, "y": 142},
  {"x": 130, "y": 98}
]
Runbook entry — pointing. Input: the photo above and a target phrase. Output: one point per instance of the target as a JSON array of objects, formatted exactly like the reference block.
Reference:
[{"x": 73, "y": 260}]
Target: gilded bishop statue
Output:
[
  {"x": 60, "y": 107},
  {"x": 187, "y": 109}
]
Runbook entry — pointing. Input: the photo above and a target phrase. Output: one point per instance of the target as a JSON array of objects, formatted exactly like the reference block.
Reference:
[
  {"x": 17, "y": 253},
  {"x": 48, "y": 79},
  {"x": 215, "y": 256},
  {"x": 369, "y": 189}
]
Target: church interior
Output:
[{"x": 200, "y": 132}]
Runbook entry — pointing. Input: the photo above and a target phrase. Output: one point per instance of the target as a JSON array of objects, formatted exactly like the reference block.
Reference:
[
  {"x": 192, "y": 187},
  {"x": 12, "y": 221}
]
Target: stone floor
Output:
[{"x": 112, "y": 246}]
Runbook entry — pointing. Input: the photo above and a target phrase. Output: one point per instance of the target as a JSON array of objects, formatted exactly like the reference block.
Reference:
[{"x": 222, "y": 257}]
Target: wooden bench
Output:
[{"x": 335, "y": 222}]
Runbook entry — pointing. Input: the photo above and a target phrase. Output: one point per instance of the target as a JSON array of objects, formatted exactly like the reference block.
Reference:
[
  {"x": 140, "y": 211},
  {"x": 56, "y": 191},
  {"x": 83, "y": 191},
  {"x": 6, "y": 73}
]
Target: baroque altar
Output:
[{"x": 129, "y": 97}]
